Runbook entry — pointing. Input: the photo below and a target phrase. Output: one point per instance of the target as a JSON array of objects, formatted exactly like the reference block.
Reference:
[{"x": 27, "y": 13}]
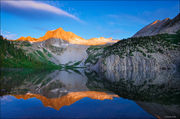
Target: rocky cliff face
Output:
[
  {"x": 115, "y": 66},
  {"x": 167, "y": 25},
  {"x": 65, "y": 53},
  {"x": 142, "y": 54}
]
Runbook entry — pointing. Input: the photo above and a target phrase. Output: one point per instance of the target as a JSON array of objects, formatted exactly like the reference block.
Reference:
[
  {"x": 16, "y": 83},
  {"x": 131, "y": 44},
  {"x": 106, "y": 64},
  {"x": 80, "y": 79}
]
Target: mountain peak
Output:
[
  {"x": 69, "y": 37},
  {"x": 155, "y": 22},
  {"x": 60, "y": 29},
  {"x": 160, "y": 26},
  {"x": 28, "y": 38}
]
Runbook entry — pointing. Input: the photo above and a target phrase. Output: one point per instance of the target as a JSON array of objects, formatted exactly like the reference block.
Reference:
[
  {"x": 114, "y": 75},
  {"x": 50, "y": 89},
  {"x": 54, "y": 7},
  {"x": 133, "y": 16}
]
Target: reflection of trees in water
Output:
[
  {"x": 21, "y": 80},
  {"x": 150, "y": 88}
]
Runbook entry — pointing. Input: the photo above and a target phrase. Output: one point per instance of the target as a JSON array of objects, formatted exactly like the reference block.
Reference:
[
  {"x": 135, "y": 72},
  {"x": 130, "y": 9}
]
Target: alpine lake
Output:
[{"x": 85, "y": 94}]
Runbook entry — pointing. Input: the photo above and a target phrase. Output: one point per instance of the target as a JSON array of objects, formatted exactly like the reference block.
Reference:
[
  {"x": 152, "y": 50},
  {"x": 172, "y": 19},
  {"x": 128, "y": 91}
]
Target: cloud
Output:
[{"x": 37, "y": 6}]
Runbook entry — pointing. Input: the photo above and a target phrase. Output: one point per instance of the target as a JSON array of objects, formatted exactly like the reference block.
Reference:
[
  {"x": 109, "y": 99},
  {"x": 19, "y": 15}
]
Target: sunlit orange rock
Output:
[
  {"x": 69, "y": 37},
  {"x": 68, "y": 99},
  {"x": 155, "y": 22},
  {"x": 29, "y": 38}
]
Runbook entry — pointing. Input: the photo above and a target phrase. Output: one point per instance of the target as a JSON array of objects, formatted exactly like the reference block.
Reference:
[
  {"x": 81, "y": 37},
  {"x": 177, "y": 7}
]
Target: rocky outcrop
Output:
[{"x": 160, "y": 26}]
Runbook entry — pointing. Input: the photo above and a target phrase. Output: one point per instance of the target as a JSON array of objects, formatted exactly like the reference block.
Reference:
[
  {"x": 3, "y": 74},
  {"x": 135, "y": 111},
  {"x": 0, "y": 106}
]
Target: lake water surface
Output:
[{"x": 88, "y": 94}]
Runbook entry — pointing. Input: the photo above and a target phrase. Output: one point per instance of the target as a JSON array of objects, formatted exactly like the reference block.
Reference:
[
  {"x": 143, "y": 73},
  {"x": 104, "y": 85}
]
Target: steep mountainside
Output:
[
  {"x": 160, "y": 26},
  {"x": 12, "y": 56},
  {"x": 69, "y": 37},
  {"x": 142, "y": 54},
  {"x": 56, "y": 51}
]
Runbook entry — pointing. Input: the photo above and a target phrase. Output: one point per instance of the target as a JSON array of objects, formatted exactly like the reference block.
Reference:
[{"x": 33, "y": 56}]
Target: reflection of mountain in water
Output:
[
  {"x": 47, "y": 83},
  {"x": 144, "y": 86},
  {"x": 68, "y": 99},
  {"x": 156, "y": 92}
]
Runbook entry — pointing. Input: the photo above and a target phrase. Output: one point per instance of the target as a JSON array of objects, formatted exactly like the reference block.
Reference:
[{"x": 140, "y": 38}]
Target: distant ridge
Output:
[
  {"x": 69, "y": 37},
  {"x": 160, "y": 26}
]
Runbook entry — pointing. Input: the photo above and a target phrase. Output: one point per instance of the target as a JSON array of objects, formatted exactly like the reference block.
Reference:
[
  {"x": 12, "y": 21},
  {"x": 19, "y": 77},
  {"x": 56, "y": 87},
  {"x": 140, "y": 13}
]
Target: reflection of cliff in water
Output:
[
  {"x": 161, "y": 111},
  {"x": 162, "y": 87},
  {"x": 158, "y": 93}
]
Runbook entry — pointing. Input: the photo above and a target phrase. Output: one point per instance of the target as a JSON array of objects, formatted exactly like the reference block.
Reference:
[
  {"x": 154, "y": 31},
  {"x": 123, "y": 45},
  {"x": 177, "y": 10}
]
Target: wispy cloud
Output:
[{"x": 39, "y": 6}]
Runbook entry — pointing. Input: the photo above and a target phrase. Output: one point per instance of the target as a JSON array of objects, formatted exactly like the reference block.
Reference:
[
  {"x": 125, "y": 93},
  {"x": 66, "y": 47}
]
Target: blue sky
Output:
[{"x": 116, "y": 19}]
